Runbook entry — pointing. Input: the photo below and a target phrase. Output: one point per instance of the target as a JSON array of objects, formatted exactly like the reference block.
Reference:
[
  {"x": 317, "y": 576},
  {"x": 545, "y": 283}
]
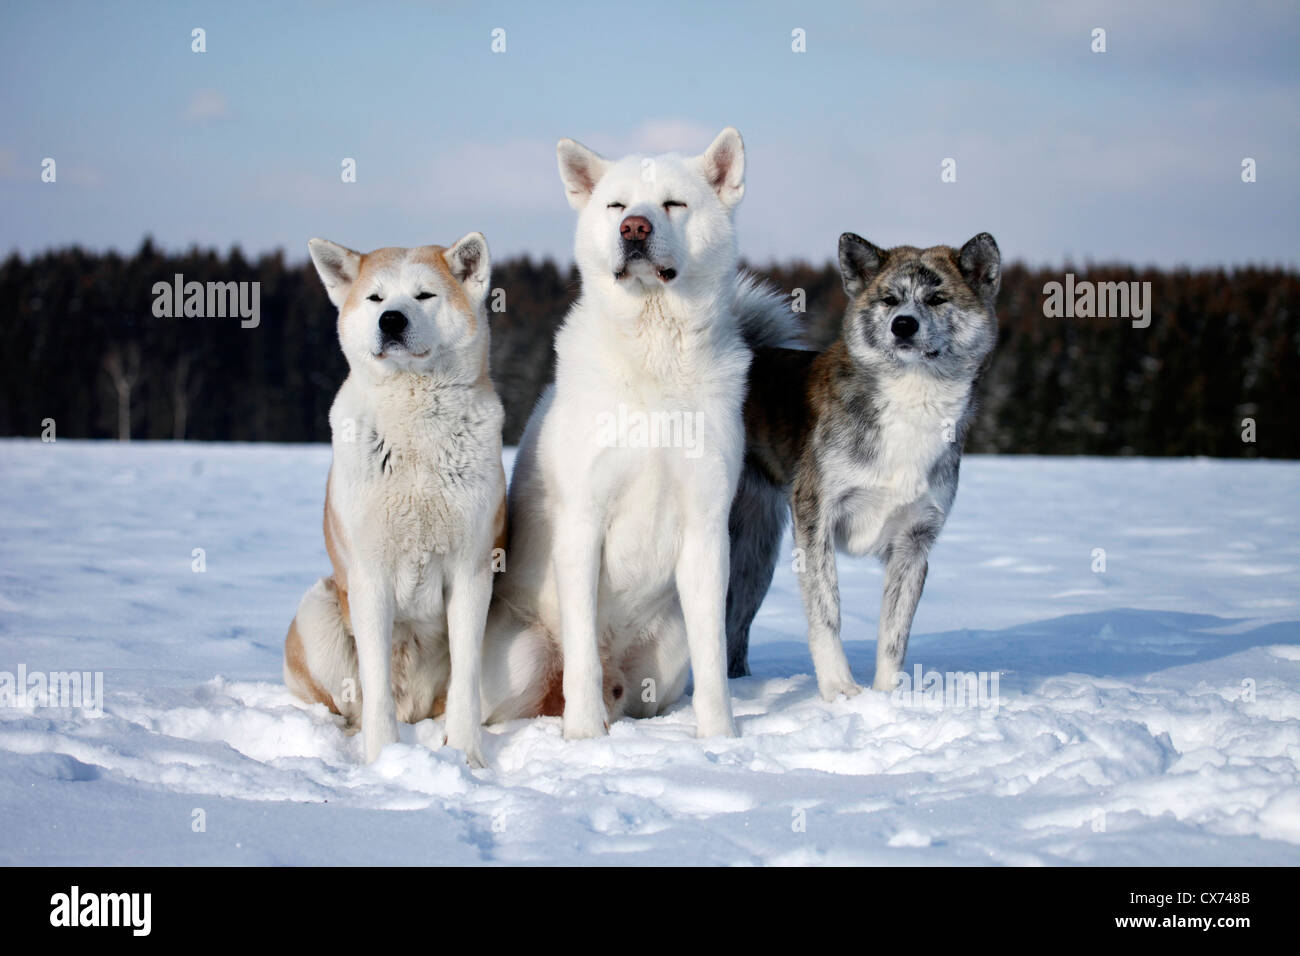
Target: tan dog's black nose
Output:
[
  {"x": 635, "y": 228},
  {"x": 392, "y": 324}
]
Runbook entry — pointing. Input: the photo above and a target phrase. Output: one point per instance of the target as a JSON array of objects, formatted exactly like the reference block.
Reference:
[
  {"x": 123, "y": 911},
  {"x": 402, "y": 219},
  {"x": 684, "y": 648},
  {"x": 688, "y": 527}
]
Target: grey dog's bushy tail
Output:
[
  {"x": 766, "y": 320},
  {"x": 758, "y": 513}
]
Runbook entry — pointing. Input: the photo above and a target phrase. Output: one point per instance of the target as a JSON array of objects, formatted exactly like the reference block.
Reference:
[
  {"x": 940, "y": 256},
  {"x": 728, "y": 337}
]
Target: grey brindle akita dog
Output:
[{"x": 865, "y": 439}]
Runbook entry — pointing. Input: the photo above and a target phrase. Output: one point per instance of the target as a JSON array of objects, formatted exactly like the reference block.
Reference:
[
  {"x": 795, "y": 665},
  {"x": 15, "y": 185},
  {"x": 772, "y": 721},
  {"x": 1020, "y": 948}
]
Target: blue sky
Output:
[{"x": 1062, "y": 153}]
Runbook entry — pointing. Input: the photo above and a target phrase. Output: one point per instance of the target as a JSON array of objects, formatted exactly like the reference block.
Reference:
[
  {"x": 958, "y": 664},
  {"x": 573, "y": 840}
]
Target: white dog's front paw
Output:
[
  {"x": 470, "y": 742},
  {"x": 378, "y": 734},
  {"x": 585, "y": 723},
  {"x": 716, "y": 725}
]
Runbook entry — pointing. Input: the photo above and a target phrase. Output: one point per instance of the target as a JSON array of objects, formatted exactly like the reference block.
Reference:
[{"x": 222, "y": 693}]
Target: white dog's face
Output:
[
  {"x": 411, "y": 310},
  {"x": 651, "y": 223}
]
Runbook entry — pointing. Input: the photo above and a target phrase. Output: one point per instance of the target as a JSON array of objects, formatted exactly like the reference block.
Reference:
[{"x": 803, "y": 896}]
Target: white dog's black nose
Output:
[
  {"x": 904, "y": 326},
  {"x": 392, "y": 324}
]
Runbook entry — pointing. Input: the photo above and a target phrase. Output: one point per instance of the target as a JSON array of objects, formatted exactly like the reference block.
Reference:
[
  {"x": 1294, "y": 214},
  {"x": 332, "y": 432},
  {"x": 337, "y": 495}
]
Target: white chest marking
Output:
[{"x": 918, "y": 423}]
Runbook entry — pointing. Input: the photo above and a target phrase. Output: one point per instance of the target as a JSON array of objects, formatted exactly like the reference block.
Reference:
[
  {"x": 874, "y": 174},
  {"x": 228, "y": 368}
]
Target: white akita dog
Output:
[
  {"x": 415, "y": 501},
  {"x": 616, "y": 576}
]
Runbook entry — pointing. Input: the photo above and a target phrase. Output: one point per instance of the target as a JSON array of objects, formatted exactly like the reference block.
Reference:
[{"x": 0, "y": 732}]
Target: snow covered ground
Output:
[{"x": 1147, "y": 714}]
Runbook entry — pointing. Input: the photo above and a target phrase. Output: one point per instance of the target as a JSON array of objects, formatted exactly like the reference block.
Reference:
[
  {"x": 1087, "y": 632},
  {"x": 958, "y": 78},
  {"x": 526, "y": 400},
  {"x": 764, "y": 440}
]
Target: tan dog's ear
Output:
[
  {"x": 580, "y": 170},
  {"x": 723, "y": 165},
  {"x": 469, "y": 262},
  {"x": 337, "y": 267}
]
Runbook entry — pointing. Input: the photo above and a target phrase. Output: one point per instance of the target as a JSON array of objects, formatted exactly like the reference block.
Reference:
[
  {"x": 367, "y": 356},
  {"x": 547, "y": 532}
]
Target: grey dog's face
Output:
[{"x": 926, "y": 308}]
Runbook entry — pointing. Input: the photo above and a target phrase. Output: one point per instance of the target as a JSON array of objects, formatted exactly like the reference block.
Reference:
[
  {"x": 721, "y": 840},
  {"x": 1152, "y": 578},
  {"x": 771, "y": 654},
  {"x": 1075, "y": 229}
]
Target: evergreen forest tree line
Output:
[{"x": 1217, "y": 371}]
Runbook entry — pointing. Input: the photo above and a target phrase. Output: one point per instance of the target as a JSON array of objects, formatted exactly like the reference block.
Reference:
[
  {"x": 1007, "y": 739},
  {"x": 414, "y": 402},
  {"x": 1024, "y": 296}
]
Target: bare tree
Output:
[
  {"x": 123, "y": 368},
  {"x": 185, "y": 388}
]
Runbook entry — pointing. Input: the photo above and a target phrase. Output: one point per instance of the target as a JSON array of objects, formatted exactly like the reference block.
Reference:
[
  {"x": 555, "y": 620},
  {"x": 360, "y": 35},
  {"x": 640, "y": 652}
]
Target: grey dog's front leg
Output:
[
  {"x": 819, "y": 582},
  {"x": 906, "y": 565}
]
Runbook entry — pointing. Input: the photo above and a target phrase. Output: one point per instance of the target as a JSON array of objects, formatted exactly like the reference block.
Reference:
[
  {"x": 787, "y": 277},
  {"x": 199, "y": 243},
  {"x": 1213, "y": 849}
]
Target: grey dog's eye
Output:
[
  {"x": 890, "y": 300},
  {"x": 937, "y": 299}
]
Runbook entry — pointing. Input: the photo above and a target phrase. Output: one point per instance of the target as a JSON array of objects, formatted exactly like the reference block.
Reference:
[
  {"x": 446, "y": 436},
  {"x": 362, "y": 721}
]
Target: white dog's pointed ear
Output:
[
  {"x": 859, "y": 263},
  {"x": 337, "y": 267},
  {"x": 724, "y": 166},
  {"x": 580, "y": 170},
  {"x": 469, "y": 263}
]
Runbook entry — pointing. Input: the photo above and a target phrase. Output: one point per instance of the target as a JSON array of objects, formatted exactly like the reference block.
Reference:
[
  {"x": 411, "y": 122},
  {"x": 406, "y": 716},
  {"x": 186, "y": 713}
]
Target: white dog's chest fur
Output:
[
  {"x": 645, "y": 495},
  {"x": 644, "y": 515},
  {"x": 416, "y": 483},
  {"x": 919, "y": 416}
]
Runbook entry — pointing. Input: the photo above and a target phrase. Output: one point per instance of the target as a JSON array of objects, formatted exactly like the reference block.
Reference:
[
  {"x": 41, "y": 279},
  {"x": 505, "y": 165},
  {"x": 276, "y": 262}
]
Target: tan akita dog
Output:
[{"x": 415, "y": 501}]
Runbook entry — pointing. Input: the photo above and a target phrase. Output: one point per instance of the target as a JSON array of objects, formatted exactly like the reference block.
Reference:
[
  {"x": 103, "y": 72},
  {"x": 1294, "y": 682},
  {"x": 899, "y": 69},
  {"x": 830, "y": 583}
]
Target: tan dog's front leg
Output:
[
  {"x": 467, "y": 607},
  {"x": 372, "y": 624}
]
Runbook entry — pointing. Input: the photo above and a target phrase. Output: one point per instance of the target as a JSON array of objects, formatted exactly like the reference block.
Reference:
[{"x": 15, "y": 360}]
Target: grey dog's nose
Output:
[
  {"x": 392, "y": 324},
  {"x": 904, "y": 326},
  {"x": 635, "y": 228}
]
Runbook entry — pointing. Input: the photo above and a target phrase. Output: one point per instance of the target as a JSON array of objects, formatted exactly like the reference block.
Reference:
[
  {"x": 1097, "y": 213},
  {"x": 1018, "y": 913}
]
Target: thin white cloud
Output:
[
  {"x": 672, "y": 135},
  {"x": 207, "y": 105}
]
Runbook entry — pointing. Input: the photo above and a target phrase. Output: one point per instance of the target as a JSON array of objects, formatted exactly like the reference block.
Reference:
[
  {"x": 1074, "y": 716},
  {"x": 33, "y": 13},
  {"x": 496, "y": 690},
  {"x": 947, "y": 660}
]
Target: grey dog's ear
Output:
[
  {"x": 337, "y": 267},
  {"x": 859, "y": 263},
  {"x": 980, "y": 262}
]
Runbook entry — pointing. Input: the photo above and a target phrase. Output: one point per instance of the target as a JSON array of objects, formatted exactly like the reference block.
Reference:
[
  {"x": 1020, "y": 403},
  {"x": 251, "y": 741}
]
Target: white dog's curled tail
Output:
[{"x": 765, "y": 316}]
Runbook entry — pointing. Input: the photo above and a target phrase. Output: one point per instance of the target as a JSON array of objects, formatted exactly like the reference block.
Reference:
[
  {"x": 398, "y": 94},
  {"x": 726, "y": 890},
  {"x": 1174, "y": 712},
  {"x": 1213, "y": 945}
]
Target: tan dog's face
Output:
[{"x": 405, "y": 309}]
